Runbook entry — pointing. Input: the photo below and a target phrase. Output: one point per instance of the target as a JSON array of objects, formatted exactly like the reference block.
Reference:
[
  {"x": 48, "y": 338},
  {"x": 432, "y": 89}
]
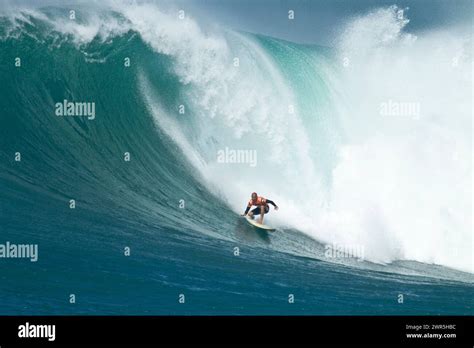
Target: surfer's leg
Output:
[
  {"x": 262, "y": 212},
  {"x": 254, "y": 212}
]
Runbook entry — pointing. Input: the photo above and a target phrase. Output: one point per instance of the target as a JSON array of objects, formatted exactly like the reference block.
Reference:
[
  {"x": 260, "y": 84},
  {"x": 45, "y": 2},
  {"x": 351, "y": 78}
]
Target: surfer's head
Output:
[{"x": 254, "y": 196}]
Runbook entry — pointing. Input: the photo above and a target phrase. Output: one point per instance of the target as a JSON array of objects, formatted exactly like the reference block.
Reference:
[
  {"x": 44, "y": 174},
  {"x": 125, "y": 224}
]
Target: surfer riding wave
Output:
[{"x": 261, "y": 204}]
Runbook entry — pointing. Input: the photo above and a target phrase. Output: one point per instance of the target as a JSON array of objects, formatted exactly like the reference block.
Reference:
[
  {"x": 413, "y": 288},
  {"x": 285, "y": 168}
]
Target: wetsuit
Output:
[{"x": 259, "y": 202}]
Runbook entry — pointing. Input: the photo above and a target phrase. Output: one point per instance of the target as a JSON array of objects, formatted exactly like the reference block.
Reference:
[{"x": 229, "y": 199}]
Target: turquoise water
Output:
[{"x": 135, "y": 204}]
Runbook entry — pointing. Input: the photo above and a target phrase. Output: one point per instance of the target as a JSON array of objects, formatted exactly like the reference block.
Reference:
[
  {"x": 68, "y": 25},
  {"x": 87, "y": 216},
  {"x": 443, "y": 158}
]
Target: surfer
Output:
[{"x": 262, "y": 206}]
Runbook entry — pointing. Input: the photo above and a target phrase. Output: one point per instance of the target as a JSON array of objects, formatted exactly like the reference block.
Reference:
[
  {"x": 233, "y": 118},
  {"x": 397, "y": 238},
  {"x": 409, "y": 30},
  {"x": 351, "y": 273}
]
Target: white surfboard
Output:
[{"x": 260, "y": 226}]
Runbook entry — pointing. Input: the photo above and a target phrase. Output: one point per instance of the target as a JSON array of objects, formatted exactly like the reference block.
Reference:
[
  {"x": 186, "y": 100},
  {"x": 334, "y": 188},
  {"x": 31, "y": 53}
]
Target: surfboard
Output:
[{"x": 259, "y": 226}]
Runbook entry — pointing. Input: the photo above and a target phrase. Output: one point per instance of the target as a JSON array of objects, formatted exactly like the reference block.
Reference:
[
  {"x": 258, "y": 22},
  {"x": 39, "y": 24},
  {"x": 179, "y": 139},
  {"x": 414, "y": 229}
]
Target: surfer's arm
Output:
[
  {"x": 272, "y": 203},
  {"x": 247, "y": 210}
]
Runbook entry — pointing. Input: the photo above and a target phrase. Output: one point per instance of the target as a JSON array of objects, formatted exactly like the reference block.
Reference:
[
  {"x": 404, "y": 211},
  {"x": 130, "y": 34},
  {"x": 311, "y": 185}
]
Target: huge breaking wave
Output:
[{"x": 399, "y": 186}]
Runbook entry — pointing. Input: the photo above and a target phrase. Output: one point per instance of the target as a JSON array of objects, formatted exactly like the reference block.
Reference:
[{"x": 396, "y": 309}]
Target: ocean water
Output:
[{"x": 396, "y": 186}]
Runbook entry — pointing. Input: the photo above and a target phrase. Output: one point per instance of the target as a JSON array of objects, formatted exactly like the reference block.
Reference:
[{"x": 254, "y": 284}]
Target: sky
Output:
[{"x": 316, "y": 21}]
